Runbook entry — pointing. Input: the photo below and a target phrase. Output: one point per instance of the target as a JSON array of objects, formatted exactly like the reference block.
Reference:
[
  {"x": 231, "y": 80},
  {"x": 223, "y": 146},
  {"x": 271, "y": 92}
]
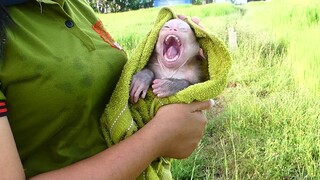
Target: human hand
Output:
[
  {"x": 194, "y": 19},
  {"x": 179, "y": 128}
]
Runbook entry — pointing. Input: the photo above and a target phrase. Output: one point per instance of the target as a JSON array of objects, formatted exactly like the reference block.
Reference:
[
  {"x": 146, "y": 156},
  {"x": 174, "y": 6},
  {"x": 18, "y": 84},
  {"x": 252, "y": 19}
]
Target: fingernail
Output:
[{"x": 212, "y": 103}]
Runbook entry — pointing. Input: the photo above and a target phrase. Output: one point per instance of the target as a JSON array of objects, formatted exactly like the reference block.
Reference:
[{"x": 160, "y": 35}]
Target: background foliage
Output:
[
  {"x": 266, "y": 124},
  {"x": 106, "y": 6}
]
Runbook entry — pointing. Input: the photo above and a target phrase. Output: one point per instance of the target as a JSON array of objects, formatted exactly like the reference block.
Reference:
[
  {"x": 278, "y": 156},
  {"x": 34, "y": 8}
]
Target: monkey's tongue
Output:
[
  {"x": 172, "y": 53},
  {"x": 171, "y": 48}
]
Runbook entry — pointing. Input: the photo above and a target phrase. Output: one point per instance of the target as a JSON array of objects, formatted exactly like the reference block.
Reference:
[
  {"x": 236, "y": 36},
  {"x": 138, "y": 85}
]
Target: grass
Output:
[{"x": 266, "y": 124}]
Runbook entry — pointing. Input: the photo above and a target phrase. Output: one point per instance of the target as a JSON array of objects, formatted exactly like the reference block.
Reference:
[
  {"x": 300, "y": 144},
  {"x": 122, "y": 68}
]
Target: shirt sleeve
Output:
[{"x": 3, "y": 107}]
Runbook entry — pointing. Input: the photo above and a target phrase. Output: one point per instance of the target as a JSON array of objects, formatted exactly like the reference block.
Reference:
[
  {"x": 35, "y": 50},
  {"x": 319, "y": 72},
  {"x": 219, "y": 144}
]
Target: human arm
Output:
[
  {"x": 174, "y": 132},
  {"x": 10, "y": 164}
]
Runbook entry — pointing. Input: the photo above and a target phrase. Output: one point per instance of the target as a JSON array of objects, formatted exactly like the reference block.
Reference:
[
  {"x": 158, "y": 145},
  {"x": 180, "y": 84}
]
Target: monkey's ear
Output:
[{"x": 201, "y": 54}]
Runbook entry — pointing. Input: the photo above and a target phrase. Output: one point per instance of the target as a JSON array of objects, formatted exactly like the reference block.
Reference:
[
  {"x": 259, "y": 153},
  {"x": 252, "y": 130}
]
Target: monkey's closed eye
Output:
[{"x": 184, "y": 29}]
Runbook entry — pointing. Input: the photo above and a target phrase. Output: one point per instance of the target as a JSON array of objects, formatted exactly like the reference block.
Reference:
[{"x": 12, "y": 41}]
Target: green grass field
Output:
[{"x": 266, "y": 124}]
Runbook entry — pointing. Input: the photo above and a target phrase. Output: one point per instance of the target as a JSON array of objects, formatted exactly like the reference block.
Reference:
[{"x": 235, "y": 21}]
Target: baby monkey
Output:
[{"x": 174, "y": 64}]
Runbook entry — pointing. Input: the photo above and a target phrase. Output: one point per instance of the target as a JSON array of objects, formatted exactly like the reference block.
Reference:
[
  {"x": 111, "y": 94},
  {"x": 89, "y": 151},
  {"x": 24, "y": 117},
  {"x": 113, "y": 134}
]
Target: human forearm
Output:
[
  {"x": 10, "y": 164},
  {"x": 174, "y": 132},
  {"x": 125, "y": 160}
]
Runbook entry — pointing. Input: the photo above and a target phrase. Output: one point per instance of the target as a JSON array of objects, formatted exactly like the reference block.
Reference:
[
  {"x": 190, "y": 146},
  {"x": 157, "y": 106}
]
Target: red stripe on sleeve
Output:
[{"x": 3, "y": 110}]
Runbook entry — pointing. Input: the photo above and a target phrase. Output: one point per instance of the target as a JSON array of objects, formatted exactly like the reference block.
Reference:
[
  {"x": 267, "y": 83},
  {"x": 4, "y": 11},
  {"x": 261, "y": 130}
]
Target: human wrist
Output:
[{"x": 158, "y": 136}]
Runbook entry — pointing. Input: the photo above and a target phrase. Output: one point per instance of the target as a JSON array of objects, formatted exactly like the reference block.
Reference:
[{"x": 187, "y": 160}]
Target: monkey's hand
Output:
[
  {"x": 169, "y": 86},
  {"x": 140, "y": 84}
]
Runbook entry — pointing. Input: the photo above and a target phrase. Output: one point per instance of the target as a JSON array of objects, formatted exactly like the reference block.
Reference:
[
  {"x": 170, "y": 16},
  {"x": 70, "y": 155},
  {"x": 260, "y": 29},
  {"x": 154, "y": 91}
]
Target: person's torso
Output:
[{"x": 57, "y": 75}]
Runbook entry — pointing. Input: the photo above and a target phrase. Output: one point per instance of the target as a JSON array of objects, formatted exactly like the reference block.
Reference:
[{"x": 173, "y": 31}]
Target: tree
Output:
[{"x": 119, "y": 5}]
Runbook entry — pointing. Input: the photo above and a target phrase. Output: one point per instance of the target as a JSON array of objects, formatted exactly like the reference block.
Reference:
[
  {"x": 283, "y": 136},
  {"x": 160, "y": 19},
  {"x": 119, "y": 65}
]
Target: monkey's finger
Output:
[
  {"x": 133, "y": 93},
  {"x": 133, "y": 89},
  {"x": 135, "y": 98},
  {"x": 144, "y": 93},
  {"x": 137, "y": 94},
  {"x": 155, "y": 91},
  {"x": 165, "y": 93},
  {"x": 155, "y": 86},
  {"x": 161, "y": 92},
  {"x": 132, "y": 85},
  {"x": 157, "y": 83},
  {"x": 133, "y": 82},
  {"x": 131, "y": 100},
  {"x": 132, "y": 97},
  {"x": 161, "y": 95}
]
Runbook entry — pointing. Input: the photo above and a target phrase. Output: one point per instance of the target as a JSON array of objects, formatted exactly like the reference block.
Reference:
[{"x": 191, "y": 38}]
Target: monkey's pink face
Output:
[{"x": 176, "y": 43}]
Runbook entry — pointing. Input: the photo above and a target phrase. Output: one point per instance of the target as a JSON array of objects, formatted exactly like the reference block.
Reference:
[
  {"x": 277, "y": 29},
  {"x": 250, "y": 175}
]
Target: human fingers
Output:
[
  {"x": 182, "y": 17},
  {"x": 202, "y": 105},
  {"x": 196, "y": 20},
  {"x": 183, "y": 128}
]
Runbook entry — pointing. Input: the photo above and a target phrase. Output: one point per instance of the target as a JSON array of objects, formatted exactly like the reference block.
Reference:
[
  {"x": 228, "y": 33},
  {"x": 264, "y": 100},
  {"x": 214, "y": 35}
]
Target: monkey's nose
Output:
[{"x": 173, "y": 29}]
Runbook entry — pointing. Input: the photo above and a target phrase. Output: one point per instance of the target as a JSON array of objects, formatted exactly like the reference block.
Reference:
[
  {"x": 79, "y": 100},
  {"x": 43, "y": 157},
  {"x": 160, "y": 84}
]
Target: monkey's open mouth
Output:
[{"x": 172, "y": 48}]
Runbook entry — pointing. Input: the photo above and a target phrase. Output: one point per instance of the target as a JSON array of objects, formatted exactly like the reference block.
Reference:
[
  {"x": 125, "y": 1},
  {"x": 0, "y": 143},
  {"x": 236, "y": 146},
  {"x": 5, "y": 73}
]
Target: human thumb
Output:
[{"x": 203, "y": 105}]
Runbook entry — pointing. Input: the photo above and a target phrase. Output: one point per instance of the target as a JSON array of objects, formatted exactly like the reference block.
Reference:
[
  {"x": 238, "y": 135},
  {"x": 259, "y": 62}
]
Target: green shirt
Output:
[{"x": 59, "y": 70}]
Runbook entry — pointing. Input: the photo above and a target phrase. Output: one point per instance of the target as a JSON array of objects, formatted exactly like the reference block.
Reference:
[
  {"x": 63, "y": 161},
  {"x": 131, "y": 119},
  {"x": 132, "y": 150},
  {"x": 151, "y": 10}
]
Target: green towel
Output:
[{"x": 121, "y": 119}]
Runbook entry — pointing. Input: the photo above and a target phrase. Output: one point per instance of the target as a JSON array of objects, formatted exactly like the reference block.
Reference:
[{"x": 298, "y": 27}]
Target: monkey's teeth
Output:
[
  {"x": 172, "y": 36},
  {"x": 172, "y": 48}
]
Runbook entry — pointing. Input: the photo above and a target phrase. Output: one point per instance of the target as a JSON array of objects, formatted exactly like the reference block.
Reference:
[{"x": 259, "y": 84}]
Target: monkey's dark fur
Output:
[{"x": 5, "y": 20}]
